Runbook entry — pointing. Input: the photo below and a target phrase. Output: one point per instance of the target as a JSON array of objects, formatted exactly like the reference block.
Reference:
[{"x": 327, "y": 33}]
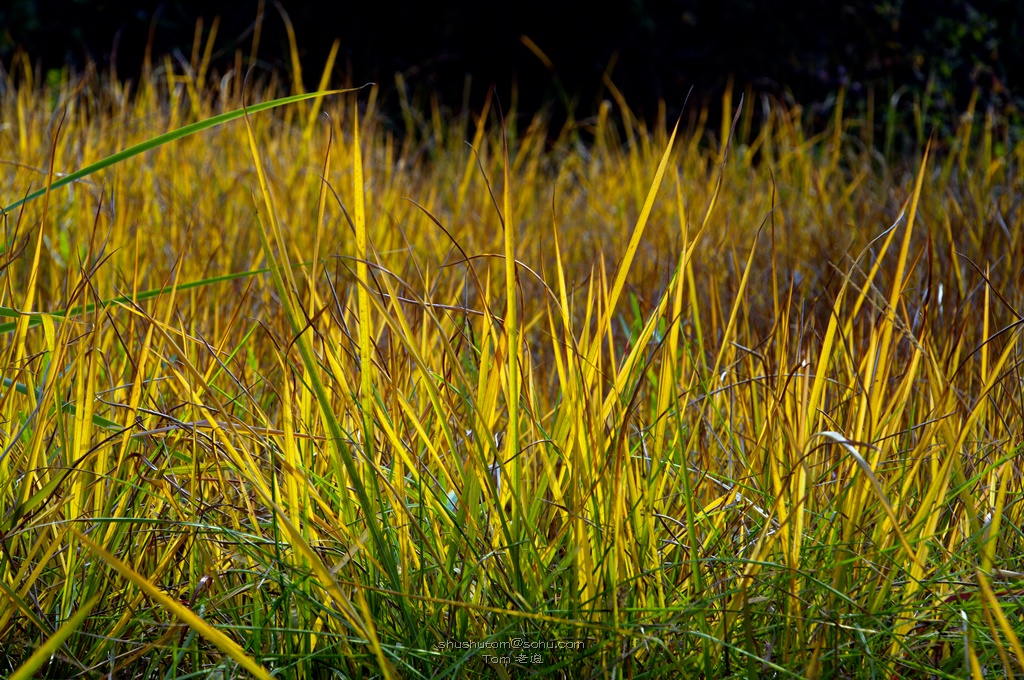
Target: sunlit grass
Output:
[{"x": 276, "y": 398}]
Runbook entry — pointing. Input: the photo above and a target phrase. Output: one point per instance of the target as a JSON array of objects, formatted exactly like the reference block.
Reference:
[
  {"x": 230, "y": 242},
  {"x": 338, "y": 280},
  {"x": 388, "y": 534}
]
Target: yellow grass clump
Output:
[{"x": 316, "y": 396}]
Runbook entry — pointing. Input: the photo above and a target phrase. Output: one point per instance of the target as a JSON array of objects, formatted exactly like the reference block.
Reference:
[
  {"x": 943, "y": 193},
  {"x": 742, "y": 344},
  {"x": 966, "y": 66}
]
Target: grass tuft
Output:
[{"x": 692, "y": 399}]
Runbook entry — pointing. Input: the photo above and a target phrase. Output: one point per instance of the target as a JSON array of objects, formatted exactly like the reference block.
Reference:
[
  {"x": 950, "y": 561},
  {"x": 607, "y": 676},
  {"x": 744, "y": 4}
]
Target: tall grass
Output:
[{"x": 311, "y": 396}]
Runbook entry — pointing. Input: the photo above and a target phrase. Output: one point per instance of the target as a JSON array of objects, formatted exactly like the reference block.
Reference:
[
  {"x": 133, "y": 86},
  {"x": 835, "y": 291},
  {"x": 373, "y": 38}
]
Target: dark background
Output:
[{"x": 800, "y": 51}]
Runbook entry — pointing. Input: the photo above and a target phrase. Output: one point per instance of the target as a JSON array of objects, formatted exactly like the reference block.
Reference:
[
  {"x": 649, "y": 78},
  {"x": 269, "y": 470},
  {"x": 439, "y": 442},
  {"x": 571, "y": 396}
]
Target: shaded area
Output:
[{"x": 654, "y": 49}]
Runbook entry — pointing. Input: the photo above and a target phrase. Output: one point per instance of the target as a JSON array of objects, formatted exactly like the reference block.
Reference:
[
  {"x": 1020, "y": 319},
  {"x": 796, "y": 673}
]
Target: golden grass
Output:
[{"x": 731, "y": 411}]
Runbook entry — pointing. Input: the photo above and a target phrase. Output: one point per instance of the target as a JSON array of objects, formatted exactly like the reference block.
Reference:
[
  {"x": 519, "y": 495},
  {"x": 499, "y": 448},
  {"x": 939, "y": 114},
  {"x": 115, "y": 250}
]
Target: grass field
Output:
[{"x": 276, "y": 401}]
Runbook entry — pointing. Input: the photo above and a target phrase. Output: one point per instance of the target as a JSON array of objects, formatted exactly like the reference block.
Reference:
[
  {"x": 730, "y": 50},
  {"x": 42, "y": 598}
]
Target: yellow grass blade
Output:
[
  {"x": 641, "y": 224},
  {"x": 363, "y": 278},
  {"x": 512, "y": 386}
]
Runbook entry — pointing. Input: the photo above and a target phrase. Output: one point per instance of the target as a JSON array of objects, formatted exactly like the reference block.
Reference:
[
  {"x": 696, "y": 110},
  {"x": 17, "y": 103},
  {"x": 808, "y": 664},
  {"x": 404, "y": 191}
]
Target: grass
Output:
[{"x": 306, "y": 396}]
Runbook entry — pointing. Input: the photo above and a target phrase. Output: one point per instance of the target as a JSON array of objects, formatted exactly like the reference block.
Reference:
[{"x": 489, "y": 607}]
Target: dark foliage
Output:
[{"x": 942, "y": 49}]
